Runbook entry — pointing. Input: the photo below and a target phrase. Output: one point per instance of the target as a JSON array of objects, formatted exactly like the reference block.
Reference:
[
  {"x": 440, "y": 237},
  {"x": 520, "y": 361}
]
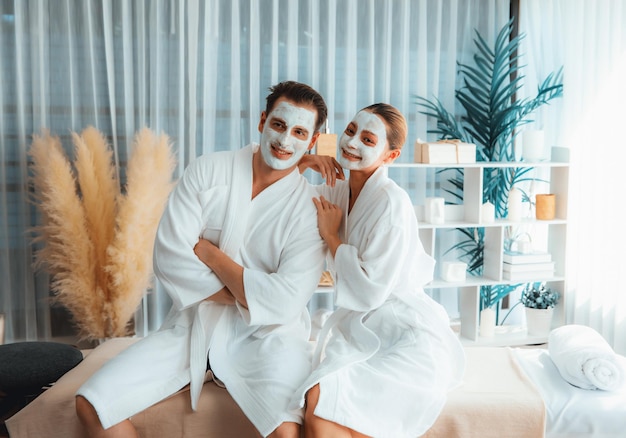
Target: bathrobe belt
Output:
[{"x": 198, "y": 350}]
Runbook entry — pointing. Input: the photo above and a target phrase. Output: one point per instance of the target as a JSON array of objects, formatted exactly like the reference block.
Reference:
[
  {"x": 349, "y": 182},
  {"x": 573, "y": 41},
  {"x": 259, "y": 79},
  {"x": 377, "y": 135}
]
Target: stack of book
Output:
[{"x": 519, "y": 266}]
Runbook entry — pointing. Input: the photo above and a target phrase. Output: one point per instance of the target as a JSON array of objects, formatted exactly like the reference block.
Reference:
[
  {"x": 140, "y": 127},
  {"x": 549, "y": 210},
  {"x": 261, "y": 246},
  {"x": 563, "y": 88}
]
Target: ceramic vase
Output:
[{"x": 539, "y": 321}]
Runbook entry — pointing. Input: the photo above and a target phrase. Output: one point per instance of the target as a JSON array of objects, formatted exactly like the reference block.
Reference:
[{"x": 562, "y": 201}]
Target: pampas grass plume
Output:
[
  {"x": 99, "y": 190},
  {"x": 98, "y": 242},
  {"x": 69, "y": 251},
  {"x": 130, "y": 254}
]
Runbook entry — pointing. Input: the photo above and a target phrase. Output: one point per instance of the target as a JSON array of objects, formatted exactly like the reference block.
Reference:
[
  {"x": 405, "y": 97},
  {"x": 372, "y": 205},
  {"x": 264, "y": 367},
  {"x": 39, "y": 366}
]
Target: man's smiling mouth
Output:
[{"x": 281, "y": 152}]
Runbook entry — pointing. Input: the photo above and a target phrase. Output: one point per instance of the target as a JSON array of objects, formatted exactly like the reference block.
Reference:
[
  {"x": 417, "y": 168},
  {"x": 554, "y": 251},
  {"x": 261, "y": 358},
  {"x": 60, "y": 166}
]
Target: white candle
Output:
[
  {"x": 487, "y": 322},
  {"x": 435, "y": 210},
  {"x": 532, "y": 145},
  {"x": 515, "y": 205},
  {"x": 488, "y": 213}
]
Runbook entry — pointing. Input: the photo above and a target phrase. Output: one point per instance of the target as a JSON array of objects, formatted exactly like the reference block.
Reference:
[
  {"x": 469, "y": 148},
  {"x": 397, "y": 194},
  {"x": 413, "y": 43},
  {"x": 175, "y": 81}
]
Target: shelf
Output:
[
  {"x": 481, "y": 165},
  {"x": 497, "y": 223},
  {"x": 505, "y": 335},
  {"x": 483, "y": 281},
  {"x": 469, "y": 281},
  {"x": 469, "y": 214}
]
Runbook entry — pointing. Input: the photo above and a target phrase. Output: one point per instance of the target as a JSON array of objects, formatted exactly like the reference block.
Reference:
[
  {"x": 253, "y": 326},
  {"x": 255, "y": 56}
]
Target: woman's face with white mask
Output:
[
  {"x": 286, "y": 134},
  {"x": 363, "y": 141}
]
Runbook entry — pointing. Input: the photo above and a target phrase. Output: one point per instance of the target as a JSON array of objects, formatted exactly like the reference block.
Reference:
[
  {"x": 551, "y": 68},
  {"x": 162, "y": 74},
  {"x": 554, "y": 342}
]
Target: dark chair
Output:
[{"x": 28, "y": 368}]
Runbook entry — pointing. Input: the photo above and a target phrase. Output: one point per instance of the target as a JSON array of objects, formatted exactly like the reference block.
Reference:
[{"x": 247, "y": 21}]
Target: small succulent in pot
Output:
[{"x": 539, "y": 296}]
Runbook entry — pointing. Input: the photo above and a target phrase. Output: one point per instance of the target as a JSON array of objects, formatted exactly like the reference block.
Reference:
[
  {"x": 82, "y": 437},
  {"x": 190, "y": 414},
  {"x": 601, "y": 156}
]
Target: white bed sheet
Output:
[{"x": 572, "y": 412}]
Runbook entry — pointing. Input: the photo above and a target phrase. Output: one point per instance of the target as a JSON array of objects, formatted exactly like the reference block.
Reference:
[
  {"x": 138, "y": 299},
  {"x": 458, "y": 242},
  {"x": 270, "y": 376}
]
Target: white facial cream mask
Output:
[
  {"x": 360, "y": 153},
  {"x": 280, "y": 147}
]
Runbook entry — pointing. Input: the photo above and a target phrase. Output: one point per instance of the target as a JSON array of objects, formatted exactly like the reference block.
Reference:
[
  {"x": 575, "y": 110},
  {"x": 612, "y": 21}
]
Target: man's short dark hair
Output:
[{"x": 301, "y": 94}]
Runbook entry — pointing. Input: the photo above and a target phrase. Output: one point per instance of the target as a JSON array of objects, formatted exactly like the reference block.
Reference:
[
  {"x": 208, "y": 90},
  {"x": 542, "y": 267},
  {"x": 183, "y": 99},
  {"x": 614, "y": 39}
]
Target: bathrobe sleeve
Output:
[
  {"x": 186, "y": 279},
  {"x": 280, "y": 297},
  {"x": 368, "y": 267},
  {"x": 333, "y": 194}
]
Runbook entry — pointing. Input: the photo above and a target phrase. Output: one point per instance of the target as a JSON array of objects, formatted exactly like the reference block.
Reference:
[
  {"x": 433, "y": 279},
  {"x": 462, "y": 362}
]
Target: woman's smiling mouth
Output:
[{"x": 350, "y": 156}]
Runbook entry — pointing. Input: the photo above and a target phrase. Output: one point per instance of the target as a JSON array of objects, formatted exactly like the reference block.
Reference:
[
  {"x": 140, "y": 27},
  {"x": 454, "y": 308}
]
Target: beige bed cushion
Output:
[
  {"x": 52, "y": 414},
  {"x": 496, "y": 400}
]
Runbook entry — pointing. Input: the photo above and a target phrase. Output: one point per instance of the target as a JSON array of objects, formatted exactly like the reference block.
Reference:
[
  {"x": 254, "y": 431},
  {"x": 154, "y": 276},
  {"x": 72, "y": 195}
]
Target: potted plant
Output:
[{"x": 539, "y": 301}]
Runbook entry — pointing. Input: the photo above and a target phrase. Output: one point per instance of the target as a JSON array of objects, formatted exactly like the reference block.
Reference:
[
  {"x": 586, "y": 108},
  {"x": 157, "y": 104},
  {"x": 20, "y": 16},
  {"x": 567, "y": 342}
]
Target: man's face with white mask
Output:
[
  {"x": 286, "y": 134},
  {"x": 363, "y": 141}
]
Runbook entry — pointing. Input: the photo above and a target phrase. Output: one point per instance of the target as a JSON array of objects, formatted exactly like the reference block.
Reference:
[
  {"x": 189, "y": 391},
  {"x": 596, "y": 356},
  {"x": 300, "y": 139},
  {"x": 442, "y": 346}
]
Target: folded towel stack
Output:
[{"x": 585, "y": 359}]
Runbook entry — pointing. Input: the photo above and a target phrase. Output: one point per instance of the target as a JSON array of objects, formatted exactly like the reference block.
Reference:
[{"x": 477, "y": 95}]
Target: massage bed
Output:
[{"x": 506, "y": 393}]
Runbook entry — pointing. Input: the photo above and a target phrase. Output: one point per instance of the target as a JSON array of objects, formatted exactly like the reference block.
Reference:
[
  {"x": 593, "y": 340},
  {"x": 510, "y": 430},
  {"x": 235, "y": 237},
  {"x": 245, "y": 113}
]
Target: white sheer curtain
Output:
[
  {"x": 200, "y": 70},
  {"x": 588, "y": 38}
]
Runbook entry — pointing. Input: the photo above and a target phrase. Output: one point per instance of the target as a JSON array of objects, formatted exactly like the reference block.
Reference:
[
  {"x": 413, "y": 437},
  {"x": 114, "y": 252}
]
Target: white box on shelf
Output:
[
  {"x": 466, "y": 153},
  {"x": 533, "y": 257},
  {"x": 435, "y": 153},
  {"x": 528, "y": 267},
  {"x": 444, "y": 152},
  {"x": 527, "y": 276},
  {"x": 453, "y": 272}
]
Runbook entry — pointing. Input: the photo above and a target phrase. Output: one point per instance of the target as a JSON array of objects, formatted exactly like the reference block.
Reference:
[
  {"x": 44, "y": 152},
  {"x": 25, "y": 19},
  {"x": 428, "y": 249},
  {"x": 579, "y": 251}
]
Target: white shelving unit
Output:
[{"x": 468, "y": 215}]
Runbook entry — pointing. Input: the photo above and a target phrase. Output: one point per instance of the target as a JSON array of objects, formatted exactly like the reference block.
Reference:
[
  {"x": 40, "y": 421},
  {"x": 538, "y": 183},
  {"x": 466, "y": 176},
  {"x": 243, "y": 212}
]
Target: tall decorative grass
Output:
[{"x": 97, "y": 237}]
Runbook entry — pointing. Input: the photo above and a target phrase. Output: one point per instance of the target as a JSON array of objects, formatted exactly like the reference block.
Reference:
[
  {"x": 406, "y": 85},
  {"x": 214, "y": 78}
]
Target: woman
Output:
[{"x": 391, "y": 356}]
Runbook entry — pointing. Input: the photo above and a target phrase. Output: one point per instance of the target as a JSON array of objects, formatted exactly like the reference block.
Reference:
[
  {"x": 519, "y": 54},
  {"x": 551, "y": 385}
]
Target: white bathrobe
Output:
[
  {"x": 262, "y": 353},
  {"x": 391, "y": 357}
]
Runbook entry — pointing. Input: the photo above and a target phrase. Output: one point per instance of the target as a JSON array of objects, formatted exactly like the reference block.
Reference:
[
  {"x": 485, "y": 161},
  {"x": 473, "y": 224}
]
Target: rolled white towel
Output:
[{"x": 585, "y": 359}]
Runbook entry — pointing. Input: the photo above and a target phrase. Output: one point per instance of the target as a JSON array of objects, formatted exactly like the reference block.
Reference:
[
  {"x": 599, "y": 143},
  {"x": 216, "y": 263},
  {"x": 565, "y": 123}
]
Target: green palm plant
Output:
[{"x": 492, "y": 115}]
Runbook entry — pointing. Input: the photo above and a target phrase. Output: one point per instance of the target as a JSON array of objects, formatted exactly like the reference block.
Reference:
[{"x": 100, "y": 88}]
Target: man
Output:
[{"x": 240, "y": 292}]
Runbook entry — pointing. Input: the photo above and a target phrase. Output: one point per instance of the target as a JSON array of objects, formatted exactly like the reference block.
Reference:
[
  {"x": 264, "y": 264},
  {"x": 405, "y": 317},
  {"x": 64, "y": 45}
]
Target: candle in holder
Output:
[
  {"x": 515, "y": 205},
  {"x": 532, "y": 145},
  {"x": 545, "y": 206}
]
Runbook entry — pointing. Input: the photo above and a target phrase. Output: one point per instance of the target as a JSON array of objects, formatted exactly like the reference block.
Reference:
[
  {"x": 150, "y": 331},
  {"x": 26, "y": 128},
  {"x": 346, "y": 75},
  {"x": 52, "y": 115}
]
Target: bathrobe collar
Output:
[{"x": 372, "y": 184}]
